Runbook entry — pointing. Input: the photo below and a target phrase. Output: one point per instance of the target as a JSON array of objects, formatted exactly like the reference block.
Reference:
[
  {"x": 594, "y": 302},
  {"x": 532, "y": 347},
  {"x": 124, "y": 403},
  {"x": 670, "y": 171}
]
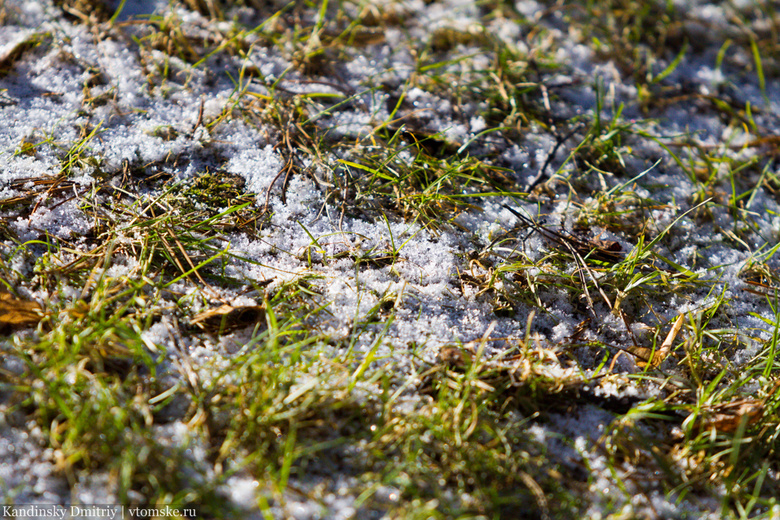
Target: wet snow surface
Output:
[{"x": 148, "y": 111}]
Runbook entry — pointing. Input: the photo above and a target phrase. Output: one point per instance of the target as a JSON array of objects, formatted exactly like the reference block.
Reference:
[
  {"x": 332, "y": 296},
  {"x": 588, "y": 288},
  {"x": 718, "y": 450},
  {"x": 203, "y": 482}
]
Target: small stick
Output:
[
  {"x": 592, "y": 250},
  {"x": 539, "y": 176},
  {"x": 570, "y": 243},
  {"x": 199, "y": 122},
  {"x": 666, "y": 346}
]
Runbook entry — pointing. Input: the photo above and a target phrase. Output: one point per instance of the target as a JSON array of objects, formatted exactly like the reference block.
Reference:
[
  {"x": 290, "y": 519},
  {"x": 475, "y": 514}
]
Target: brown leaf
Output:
[
  {"x": 727, "y": 417},
  {"x": 454, "y": 357},
  {"x": 16, "y": 314},
  {"x": 226, "y": 318},
  {"x": 663, "y": 351}
]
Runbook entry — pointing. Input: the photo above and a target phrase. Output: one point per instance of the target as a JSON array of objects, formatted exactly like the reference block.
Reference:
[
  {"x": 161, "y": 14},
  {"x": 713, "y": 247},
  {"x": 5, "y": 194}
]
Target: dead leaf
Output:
[
  {"x": 226, "y": 318},
  {"x": 607, "y": 245},
  {"x": 663, "y": 351},
  {"x": 728, "y": 417},
  {"x": 454, "y": 357},
  {"x": 16, "y": 314}
]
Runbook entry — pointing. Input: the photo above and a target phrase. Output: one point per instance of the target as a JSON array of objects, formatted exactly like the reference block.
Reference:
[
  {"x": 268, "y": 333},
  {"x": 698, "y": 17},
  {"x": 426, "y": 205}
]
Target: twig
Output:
[
  {"x": 539, "y": 176},
  {"x": 589, "y": 250},
  {"x": 199, "y": 122},
  {"x": 666, "y": 346},
  {"x": 574, "y": 246}
]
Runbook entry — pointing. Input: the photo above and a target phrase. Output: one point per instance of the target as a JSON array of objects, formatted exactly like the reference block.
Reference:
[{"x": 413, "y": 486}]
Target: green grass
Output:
[{"x": 115, "y": 361}]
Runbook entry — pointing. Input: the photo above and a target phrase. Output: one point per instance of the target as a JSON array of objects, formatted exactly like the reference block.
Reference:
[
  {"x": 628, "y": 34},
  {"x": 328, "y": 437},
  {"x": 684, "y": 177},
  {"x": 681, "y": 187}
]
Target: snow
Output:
[{"x": 47, "y": 106}]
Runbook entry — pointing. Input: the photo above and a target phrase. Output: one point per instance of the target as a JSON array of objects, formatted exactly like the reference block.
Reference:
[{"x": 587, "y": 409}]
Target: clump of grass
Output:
[
  {"x": 449, "y": 443},
  {"x": 423, "y": 188},
  {"x": 90, "y": 384},
  {"x": 212, "y": 193},
  {"x": 642, "y": 38}
]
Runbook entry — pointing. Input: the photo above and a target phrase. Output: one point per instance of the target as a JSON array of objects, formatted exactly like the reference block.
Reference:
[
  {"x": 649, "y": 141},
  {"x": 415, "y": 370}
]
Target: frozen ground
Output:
[{"x": 92, "y": 113}]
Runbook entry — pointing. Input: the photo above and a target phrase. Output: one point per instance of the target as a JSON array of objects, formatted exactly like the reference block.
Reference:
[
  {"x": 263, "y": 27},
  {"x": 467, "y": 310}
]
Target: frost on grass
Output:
[{"x": 362, "y": 158}]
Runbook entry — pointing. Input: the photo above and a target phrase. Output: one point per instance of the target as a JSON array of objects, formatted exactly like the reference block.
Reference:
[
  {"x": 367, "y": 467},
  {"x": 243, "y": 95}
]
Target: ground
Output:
[{"x": 397, "y": 259}]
